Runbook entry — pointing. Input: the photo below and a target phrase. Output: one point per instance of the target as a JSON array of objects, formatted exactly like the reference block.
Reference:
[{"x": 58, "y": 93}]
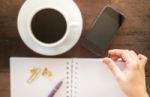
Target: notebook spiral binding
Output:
[
  {"x": 75, "y": 77},
  {"x": 71, "y": 76},
  {"x": 68, "y": 79}
]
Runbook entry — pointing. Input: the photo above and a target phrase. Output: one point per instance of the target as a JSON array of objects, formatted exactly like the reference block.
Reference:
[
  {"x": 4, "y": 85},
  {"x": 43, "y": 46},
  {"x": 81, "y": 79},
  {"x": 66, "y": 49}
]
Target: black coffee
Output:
[{"x": 48, "y": 25}]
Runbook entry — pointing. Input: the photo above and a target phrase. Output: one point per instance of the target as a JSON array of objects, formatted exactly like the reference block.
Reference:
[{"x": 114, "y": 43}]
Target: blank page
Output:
[
  {"x": 92, "y": 78},
  {"x": 42, "y": 86}
]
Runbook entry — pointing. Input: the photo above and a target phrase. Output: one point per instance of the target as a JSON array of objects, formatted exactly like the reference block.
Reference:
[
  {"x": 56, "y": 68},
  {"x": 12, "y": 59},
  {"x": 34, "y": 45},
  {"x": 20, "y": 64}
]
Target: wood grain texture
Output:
[
  {"x": 134, "y": 34},
  {"x": 4, "y": 84}
]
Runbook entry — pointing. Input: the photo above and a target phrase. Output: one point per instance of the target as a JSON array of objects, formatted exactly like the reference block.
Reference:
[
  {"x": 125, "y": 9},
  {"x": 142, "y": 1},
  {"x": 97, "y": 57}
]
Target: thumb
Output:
[{"x": 113, "y": 67}]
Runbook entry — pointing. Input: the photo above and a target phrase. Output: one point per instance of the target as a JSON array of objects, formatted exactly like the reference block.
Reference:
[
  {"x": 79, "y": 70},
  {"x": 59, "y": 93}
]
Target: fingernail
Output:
[{"x": 106, "y": 61}]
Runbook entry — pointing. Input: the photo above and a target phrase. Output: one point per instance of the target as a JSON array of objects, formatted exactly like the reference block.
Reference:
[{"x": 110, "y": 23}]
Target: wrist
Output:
[
  {"x": 138, "y": 94},
  {"x": 144, "y": 94}
]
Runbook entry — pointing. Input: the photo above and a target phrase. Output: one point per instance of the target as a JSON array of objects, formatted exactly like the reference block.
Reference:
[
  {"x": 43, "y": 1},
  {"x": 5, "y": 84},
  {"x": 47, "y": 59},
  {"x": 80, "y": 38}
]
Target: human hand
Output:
[{"x": 132, "y": 78}]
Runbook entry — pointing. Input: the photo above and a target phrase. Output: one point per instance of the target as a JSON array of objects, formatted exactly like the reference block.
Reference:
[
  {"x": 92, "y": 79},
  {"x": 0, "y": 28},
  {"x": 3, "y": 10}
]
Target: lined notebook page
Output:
[
  {"x": 92, "y": 78},
  {"x": 41, "y": 87}
]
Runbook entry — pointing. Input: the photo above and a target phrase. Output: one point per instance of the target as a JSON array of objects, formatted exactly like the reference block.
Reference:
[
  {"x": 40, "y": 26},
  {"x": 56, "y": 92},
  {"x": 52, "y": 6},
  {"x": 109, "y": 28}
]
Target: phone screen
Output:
[{"x": 104, "y": 28}]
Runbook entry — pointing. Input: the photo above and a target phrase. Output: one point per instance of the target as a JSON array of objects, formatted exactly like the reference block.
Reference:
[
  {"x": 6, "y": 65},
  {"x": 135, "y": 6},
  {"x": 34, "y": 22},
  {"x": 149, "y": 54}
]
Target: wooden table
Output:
[{"x": 134, "y": 34}]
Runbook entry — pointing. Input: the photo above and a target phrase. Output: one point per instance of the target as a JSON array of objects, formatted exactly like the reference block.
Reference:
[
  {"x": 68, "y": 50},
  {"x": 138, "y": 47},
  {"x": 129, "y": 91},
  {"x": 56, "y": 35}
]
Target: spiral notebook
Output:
[{"x": 81, "y": 77}]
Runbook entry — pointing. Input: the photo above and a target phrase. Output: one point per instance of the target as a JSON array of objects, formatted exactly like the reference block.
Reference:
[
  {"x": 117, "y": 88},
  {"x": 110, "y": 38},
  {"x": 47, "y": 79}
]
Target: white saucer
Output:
[{"x": 73, "y": 18}]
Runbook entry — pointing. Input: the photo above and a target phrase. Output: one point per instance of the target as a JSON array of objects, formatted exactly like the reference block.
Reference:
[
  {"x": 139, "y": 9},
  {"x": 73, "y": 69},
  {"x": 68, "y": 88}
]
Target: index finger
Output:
[{"x": 123, "y": 54}]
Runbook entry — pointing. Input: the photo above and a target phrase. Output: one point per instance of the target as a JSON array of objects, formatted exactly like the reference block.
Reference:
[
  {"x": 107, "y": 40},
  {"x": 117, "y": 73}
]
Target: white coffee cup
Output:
[{"x": 30, "y": 22}]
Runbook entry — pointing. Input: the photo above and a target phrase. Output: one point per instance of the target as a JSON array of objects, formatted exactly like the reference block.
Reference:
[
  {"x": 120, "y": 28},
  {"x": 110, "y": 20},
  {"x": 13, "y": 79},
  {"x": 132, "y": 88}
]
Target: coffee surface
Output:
[{"x": 48, "y": 25}]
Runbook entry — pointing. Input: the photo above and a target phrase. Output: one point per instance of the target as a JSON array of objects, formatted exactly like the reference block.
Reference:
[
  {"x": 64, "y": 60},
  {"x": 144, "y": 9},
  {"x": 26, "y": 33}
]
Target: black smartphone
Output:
[{"x": 102, "y": 31}]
